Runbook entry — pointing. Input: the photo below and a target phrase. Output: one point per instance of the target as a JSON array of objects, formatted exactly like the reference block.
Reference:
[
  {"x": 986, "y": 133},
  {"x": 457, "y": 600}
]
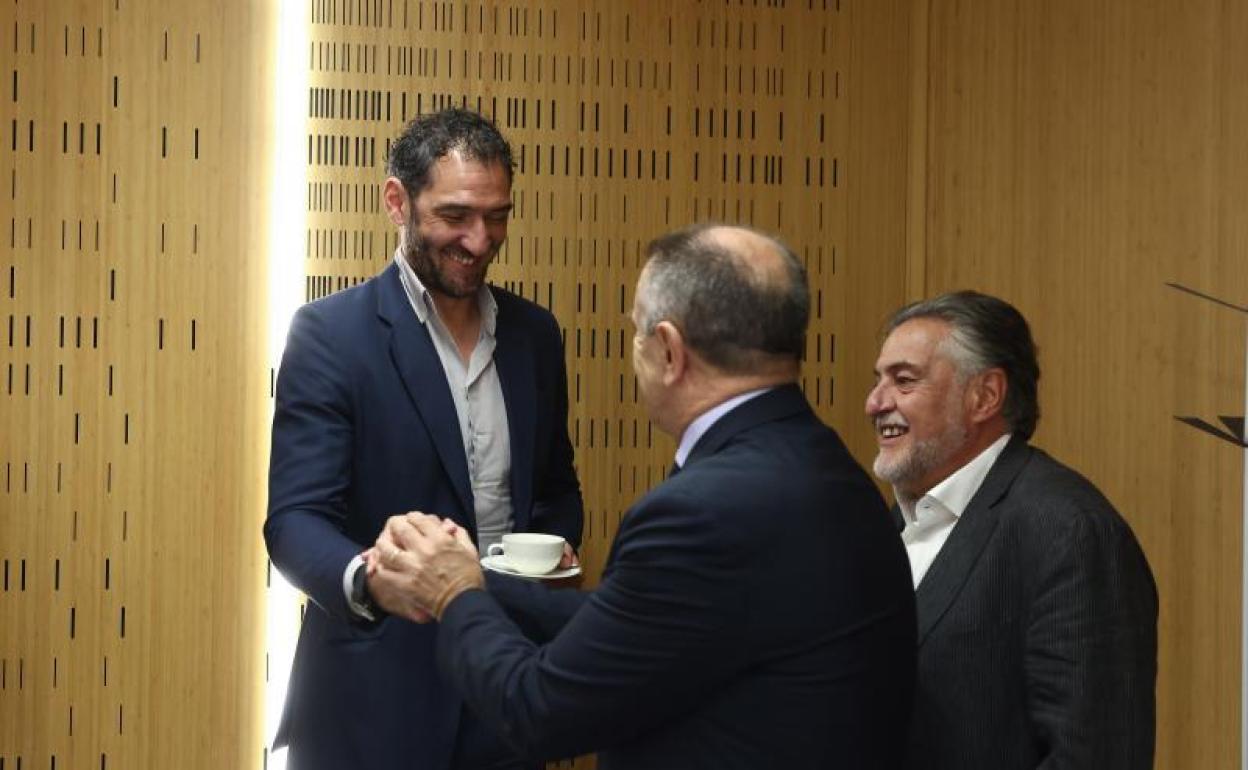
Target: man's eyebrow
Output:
[
  {"x": 464, "y": 207},
  {"x": 898, "y": 366}
]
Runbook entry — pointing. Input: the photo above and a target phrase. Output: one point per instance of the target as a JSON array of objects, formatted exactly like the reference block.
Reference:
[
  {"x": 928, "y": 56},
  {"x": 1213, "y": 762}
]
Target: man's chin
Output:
[
  {"x": 468, "y": 288},
  {"x": 466, "y": 292},
  {"x": 888, "y": 470},
  {"x": 458, "y": 290}
]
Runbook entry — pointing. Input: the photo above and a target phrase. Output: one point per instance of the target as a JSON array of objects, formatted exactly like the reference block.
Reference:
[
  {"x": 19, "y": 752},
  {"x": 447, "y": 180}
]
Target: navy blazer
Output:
[
  {"x": 756, "y": 611},
  {"x": 1037, "y": 630},
  {"x": 365, "y": 427}
]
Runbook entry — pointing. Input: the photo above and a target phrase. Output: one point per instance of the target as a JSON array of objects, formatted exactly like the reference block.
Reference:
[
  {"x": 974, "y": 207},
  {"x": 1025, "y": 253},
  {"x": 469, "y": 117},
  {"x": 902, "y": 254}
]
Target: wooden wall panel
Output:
[
  {"x": 1081, "y": 156},
  {"x": 132, "y": 383},
  {"x": 874, "y": 272}
]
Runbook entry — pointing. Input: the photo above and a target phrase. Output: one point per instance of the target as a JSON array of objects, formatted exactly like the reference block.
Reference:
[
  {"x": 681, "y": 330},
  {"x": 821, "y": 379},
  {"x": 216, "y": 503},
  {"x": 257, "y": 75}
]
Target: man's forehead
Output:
[
  {"x": 455, "y": 173},
  {"x": 915, "y": 342}
]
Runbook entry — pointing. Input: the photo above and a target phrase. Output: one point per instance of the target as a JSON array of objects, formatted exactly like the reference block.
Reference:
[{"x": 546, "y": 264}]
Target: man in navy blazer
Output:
[
  {"x": 422, "y": 388},
  {"x": 755, "y": 610},
  {"x": 1037, "y": 611}
]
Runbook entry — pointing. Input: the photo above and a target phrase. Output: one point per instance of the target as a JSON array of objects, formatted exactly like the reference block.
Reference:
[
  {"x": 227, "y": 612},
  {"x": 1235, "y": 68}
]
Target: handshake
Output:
[{"x": 421, "y": 563}]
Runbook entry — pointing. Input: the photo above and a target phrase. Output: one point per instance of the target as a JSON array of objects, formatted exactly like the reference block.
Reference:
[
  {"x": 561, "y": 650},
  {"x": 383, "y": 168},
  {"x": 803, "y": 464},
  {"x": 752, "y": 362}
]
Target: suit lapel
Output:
[
  {"x": 413, "y": 354},
  {"x": 513, "y": 356},
  {"x": 952, "y": 566},
  {"x": 899, "y": 521}
]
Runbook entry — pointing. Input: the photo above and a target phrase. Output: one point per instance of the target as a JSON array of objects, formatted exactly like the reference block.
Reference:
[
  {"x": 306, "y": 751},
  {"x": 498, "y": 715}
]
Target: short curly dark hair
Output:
[{"x": 429, "y": 138}]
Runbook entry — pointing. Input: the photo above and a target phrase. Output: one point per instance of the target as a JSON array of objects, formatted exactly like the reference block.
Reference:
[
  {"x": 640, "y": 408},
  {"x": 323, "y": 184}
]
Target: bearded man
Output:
[
  {"x": 422, "y": 388},
  {"x": 1037, "y": 611}
]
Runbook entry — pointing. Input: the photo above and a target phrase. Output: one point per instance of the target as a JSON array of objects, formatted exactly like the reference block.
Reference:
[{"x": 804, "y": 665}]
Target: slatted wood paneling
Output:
[{"x": 132, "y": 383}]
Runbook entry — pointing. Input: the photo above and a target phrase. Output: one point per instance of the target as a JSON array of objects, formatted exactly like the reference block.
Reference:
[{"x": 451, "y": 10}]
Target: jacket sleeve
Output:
[
  {"x": 1091, "y": 650},
  {"x": 310, "y": 465},
  {"x": 540, "y": 611},
  {"x": 646, "y": 645}
]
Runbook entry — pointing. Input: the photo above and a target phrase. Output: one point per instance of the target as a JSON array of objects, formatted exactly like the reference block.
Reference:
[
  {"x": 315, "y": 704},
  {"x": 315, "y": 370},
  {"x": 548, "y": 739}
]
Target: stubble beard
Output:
[{"x": 420, "y": 256}]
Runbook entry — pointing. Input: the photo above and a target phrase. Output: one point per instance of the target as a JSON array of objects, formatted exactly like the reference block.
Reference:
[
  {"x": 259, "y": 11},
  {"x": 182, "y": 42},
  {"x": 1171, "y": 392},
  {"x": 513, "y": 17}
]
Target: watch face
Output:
[
  {"x": 364, "y": 605},
  {"x": 359, "y": 585}
]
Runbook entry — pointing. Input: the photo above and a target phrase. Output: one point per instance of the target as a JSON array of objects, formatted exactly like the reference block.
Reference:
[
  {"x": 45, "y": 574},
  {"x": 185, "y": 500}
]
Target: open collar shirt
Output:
[
  {"x": 479, "y": 406},
  {"x": 931, "y": 520}
]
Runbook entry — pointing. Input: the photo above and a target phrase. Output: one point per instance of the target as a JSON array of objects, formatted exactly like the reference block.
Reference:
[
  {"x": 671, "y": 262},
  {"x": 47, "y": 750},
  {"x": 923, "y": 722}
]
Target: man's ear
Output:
[
  {"x": 986, "y": 395},
  {"x": 674, "y": 349},
  {"x": 394, "y": 197}
]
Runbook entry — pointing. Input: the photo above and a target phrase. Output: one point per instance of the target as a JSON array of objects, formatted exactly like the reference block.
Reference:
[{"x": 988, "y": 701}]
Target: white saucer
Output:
[{"x": 499, "y": 564}]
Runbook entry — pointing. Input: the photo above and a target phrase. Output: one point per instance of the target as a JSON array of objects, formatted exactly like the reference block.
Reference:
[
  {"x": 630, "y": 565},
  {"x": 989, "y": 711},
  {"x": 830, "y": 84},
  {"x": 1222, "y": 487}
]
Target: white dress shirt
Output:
[{"x": 930, "y": 521}]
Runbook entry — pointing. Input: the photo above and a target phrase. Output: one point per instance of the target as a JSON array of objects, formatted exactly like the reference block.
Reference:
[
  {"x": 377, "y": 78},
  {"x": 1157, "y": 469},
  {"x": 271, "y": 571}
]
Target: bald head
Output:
[
  {"x": 738, "y": 296},
  {"x": 763, "y": 260}
]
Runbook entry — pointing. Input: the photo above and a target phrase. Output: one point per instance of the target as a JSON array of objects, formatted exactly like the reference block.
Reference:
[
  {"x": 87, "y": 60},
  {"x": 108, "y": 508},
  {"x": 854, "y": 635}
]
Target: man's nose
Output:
[
  {"x": 477, "y": 239},
  {"x": 877, "y": 400}
]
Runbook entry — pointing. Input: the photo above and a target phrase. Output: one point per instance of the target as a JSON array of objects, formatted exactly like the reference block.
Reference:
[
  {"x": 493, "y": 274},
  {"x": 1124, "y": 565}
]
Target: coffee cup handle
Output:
[{"x": 495, "y": 549}]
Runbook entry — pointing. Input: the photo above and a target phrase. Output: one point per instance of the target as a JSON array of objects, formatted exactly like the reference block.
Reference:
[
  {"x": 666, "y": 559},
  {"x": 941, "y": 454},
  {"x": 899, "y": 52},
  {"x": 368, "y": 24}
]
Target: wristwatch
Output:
[{"x": 362, "y": 603}]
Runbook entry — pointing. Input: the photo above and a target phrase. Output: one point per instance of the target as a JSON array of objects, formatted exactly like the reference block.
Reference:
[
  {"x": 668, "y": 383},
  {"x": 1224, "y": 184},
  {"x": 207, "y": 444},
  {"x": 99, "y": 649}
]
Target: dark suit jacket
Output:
[
  {"x": 365, "y": 428},
  {"x": 1037, "y": 630},
  {"x": 756, "y": 611}
]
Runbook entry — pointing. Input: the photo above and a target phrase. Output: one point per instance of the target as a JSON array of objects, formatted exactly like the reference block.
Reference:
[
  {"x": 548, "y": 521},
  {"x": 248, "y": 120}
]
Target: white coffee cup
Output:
[{"x": 532, "y": 553}]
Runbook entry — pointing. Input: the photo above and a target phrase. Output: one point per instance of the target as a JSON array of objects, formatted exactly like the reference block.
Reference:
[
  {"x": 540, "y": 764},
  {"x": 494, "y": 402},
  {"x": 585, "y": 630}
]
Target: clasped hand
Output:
[{"x": 420, "y": 564}]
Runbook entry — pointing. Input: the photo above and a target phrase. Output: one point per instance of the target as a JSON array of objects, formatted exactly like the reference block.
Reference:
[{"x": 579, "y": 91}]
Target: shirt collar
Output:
[
  {"x": 422, "y": 301},
  {"x": 703, "y": 422},
  {"x": 954, "y": 493}
]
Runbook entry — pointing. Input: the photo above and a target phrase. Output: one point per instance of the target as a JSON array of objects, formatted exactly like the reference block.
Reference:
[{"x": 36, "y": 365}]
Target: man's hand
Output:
[
  {"x": 390, "y": 591},
  {"x": 569, "y": 558},
  {"x": 420, "y": 564}
]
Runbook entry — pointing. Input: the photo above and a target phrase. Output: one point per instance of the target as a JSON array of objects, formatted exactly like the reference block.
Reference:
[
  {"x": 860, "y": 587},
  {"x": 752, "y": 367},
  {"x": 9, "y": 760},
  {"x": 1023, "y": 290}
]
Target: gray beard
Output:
[{"x": 904, "y": 473}]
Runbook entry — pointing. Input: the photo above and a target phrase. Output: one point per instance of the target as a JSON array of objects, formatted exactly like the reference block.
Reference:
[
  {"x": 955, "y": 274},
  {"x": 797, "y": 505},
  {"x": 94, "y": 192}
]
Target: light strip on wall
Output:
[{"x": 287, "y": 238}]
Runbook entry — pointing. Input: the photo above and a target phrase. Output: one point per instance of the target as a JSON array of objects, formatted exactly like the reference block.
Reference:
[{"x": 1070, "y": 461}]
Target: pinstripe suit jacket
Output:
[{"x": 1037, "y": 630}]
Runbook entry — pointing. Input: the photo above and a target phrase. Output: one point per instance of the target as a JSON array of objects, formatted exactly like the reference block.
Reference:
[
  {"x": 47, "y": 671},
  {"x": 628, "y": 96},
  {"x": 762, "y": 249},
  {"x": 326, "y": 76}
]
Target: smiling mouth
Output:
[{"x": 891, "y": 431}]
